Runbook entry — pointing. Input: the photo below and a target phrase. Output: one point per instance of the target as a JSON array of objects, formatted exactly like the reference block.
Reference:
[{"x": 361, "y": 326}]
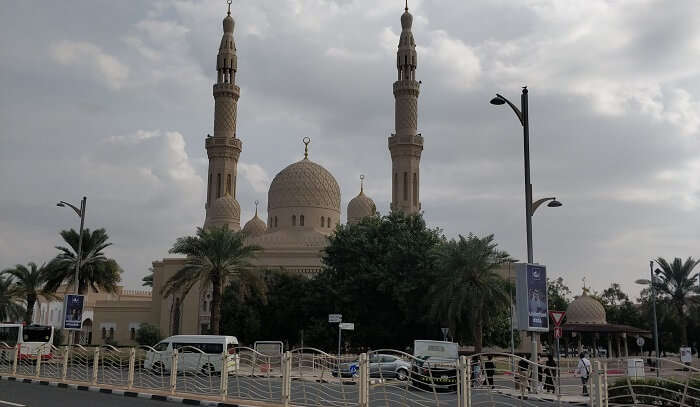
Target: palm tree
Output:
[
  {"x": 29, "y": 282},
  {"x": 468, "y": 285},
  {"x": 147, "y": 280},
  {"x": 677, "y": 284},
  {"x": 96, "y": 270},
  {"x": 10, "y": 308},
  {"x": 214, "y": 257}
]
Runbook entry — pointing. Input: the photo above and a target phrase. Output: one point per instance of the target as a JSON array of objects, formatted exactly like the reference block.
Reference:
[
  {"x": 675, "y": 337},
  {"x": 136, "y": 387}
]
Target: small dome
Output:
[
  {"x": 406, "y": 20},
  {"x": 304, "y": 184},
  {"x": 224, "y": 211},
  {"x": 360, "y": 206},
  {"x": 586, "y": 310},
  {"x": 256, "y": 226}
]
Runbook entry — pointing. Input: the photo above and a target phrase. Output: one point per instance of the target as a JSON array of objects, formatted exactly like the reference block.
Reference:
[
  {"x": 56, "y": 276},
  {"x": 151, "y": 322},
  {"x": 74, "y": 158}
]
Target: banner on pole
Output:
[
  {"x": 531, "y": 297},
  {"x": 73, "y": 312}
]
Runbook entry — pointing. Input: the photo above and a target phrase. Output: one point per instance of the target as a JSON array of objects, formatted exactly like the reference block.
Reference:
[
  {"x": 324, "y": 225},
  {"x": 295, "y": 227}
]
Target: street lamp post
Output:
[
  {"x": 530, "y": 206},
  {"x": 81, "y": 214},
  {"x": 652, "y": 286}
]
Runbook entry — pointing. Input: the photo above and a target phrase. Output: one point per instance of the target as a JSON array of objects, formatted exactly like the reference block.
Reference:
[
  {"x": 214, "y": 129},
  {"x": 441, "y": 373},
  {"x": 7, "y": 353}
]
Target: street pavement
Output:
[{"x": 18, "y": 394}]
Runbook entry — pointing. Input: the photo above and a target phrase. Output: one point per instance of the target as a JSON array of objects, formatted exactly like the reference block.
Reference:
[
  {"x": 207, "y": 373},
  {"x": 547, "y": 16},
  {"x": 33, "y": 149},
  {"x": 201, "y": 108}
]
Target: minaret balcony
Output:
[
  {"x": 407, "y": 86},
  {"x": 227, "y": 89},
  {"x": 213, "y": 142},
  {"x": 405, "y": 139}
]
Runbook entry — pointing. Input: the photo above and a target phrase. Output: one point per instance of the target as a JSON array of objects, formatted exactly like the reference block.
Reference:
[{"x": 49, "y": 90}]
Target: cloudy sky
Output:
[{"x": 112, "y": 99}]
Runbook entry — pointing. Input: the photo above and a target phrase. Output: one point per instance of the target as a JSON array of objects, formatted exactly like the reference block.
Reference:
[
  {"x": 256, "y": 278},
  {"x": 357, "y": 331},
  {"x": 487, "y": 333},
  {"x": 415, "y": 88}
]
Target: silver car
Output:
[{"x": 380, "y": 365}]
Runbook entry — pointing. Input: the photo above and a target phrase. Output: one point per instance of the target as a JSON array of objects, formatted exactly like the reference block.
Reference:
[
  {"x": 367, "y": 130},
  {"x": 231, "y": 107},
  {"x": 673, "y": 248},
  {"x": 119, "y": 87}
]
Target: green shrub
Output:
[
  {"x": 665, "y": 392},
  {"x": 148, "y": 334}
]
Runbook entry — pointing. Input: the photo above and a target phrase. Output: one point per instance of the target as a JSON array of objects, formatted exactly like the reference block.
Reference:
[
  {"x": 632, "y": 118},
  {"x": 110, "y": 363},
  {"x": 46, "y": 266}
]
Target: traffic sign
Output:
[
  {"x": 557, "y": 317},
  {"x": 558, "y": 331},
  {"x": 640, "y": 341},
  {"x": 348, "y": 326},
  {"x": 335, "y": 318}
]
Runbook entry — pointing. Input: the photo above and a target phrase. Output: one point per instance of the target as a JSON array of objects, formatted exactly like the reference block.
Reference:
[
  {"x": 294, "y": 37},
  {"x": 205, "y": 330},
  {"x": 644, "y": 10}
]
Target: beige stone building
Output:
[{"x": 303, "y": 202}]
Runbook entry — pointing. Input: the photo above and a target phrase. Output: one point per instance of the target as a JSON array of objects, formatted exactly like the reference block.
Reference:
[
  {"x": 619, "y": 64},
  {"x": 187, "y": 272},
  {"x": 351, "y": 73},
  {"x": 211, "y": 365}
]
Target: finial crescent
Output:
[
  {"x": 306, "y": 141},
  {"x": 362, "y": 183}
]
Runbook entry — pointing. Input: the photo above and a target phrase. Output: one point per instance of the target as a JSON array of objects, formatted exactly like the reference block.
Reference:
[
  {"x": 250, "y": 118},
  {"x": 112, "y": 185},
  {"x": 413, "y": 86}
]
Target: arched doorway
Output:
[{"x": 86, "y": 333}]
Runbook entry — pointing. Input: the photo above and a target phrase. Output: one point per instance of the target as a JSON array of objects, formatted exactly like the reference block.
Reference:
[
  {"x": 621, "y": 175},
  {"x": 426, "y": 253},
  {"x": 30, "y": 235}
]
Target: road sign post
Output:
[
  {"x": 558, "y": 317},
  {"x": 337, "y": 319},
  {"x": 640, "y": 343}
]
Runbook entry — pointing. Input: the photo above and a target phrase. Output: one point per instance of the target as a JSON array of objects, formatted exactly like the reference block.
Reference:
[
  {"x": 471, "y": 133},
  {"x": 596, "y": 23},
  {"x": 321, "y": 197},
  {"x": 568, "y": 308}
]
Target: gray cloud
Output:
[{"x": 114, "y": 100}]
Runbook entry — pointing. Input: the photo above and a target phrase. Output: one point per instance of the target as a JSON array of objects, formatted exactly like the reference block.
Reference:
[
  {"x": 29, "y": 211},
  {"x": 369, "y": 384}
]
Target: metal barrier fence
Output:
[{"x": 312, "y": 378}]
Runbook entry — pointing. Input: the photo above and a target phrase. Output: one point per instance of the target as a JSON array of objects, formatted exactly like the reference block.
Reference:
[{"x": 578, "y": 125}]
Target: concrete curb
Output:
[{"x": 124, "y": 393}]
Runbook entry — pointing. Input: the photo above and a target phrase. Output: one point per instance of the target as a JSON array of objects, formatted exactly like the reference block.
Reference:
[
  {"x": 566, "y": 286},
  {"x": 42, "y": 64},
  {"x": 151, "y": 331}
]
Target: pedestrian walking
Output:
[
  {"x": 476, "y": 371},
  {"x": 522, "y": 381},
  {"x": 550, "y": 373},
  {"x": 583, "y": 370},
  {"x": 490, "y": 369}
]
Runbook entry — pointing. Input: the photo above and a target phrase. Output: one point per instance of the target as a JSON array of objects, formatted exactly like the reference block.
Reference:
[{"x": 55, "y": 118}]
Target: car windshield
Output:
[{"x": 36, "y": 334}]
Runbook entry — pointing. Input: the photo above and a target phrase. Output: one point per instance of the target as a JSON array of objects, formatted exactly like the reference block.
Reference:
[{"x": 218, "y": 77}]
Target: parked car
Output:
[
  {"x": 198, "y": 353},
  {"x": 380, "y": 365}
]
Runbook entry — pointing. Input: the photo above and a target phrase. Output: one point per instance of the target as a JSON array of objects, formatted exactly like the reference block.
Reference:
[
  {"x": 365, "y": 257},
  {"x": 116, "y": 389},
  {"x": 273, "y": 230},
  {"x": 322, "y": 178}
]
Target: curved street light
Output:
[
  {"x": 530, "y": 206},
  {"x": 81, "y": 213}
]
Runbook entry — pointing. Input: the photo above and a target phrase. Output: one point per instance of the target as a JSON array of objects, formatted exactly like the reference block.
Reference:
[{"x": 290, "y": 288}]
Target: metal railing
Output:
[{"x": 312, "y": 378}]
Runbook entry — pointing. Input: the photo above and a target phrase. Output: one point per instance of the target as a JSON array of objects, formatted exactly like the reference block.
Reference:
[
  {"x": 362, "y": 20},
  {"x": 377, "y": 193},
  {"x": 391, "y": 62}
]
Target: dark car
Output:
[{"x": 430, "y": 373}]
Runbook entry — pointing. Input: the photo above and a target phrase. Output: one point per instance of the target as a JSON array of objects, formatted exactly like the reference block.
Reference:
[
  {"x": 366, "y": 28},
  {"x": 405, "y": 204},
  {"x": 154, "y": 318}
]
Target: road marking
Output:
[{"x": 9, "y": 403}]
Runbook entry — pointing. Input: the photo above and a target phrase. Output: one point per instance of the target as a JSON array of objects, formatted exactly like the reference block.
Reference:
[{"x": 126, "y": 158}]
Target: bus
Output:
[{"x": 30, "y": 338}]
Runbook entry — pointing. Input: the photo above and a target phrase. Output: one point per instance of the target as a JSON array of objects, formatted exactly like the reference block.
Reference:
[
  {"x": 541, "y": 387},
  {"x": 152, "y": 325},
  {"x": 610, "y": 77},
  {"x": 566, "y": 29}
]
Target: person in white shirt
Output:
[{"x": 583, "y": 370}]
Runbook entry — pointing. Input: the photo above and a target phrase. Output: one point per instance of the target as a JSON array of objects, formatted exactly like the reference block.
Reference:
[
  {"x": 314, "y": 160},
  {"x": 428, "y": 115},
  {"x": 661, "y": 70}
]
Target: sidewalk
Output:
[{"x": 512, "y": 393}]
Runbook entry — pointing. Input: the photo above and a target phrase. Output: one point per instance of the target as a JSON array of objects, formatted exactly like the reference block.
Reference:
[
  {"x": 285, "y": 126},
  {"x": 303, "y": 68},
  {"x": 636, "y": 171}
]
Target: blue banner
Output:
[
  {"x": 73, "y": 311},
  {"x": 537, "y": 297}
]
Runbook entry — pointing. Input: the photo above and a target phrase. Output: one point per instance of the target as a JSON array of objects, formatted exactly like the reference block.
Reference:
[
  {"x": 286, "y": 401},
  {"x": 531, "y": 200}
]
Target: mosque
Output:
[{"x": 303, "y": 202}]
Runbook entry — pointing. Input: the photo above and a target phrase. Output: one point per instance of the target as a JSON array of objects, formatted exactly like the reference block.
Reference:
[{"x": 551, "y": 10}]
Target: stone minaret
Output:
[
  {"x": 224, "y": 148},
  {"x": 406, "y": 144}
]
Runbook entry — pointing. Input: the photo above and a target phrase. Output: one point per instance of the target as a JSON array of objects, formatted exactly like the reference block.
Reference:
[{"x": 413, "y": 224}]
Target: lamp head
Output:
[
  {"x": 642, "y": 281},
  {"x": 61, "y": 204},
  {"x": 554, "y": 203},
  {"x": 498, "y": 101}
]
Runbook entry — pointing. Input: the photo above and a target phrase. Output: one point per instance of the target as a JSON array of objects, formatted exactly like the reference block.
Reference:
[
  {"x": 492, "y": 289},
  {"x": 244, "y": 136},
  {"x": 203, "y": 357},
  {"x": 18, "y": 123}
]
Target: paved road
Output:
[{"x": 34, "y": 395}]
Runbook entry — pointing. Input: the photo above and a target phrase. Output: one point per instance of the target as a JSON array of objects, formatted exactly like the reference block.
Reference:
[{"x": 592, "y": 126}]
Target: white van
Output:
[{"x": 198, "y": 353}]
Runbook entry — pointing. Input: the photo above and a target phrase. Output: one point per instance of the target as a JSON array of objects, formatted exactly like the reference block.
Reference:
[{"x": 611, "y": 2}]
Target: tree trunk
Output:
[
  {"x": 684, "y": 326},
  {"x": 31, "y": 300},
  {"x": 215, "y": 306},
  {"x": 478, "y": 330}
]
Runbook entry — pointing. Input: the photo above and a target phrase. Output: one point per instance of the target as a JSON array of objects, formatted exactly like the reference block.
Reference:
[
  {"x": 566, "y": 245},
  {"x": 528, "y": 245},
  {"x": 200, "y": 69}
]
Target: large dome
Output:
[
  {"x": 304, "y": 184},
  {"x": 586, "y": 310}
]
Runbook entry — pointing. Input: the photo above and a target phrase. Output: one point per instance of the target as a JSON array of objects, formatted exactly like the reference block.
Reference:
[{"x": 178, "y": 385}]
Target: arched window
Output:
[
  {"x": 301, "y": 220},
  {"x": 228, "y": 184},
  {"x": 328, "y": 222},
  {"x": 111, "y": 333},
  {"x": 218, "y": 185},
  {"x": 132, "y": 333},
  {"x": 275, "y": 221},
  {"x": 204, "y": 306},
  {"x": 323, "y": 221},
  {"x": 396, "y": 186},
  {"x": 209, "y": 190},
  {"x": 294, "y": 220},
  {"x": 415, "y": 189},
  {"x": 104, "y": 333},
  {"x": 405, "y": 186}
]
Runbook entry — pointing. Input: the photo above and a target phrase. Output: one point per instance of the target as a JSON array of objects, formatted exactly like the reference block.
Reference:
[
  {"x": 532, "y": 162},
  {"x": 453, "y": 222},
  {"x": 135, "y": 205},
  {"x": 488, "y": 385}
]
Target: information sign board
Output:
[{"x": 335, "y": 318}]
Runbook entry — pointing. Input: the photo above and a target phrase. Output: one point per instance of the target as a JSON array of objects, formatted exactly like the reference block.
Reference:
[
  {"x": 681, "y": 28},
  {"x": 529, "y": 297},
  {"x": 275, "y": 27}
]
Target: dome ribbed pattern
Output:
[
  {"x": 359, "y": 207},
  {"x": 255, "y": 227},
  {"x": 304, "y": 184},
  {"x": 224, "y": 211},
  {"x": 586, "y": 310}
]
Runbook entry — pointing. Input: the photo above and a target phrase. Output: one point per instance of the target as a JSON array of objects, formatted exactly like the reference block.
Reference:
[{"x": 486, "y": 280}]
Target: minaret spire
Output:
[
  {"x": 406, "y": 144},
  {"x": 230, "y": 1},
  {"x": 224, "y": 148},
  {"x": 362, "y": 183}
]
